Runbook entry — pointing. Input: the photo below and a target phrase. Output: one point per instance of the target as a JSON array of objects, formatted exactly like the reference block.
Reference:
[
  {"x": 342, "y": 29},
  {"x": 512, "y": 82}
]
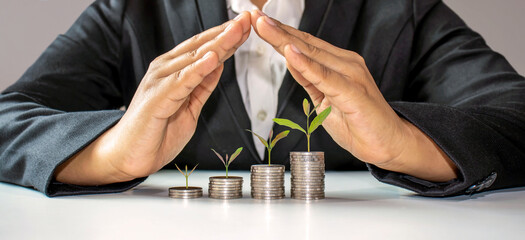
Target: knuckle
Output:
[
  {"x": 195, "y": 38},
  {"x": 315, "y": 51},
  {"x": 306, "y": 36},
  {"x": 155, "y": 64},
  {"x": 191, "y": 54},
  {"x": 325, "y": 72}
]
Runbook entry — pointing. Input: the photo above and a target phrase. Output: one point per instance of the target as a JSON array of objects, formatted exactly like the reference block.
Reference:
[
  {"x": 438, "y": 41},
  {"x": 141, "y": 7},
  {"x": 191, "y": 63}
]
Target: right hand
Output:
[{"x": 163, "y": 114}]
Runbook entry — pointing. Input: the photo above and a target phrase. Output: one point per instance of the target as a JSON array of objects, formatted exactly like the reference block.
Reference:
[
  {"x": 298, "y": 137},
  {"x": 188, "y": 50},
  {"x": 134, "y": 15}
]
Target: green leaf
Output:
[
  {"x": 315, "y": 108},
  {"x": 235, "y": 155},
  {"x": 279, "y": 136},
  {"x": 260, "y": 138},
  {"x": 306, "y": 107},
  {"x": 179, "y": 169},
  {"x": 318, "y": 120},
  {"x": 288, "y": 123},
  {"x": 219, "y": 156},
  {"x": 193, "y": 169},
  {"x": 271, "y": 134}
]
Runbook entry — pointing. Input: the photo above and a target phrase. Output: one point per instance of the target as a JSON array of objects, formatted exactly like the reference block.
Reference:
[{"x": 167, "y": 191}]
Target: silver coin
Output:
[
  {"x": 262, "y": 170},
  {"x": 307, "y": 180},
  {"x": 268, "y": 181},
  {"x": 225, "y": 179},
  {"x": 224, "y": 191},
  {"x": 267, "y": 190},
  {"x": 268, "y": 197},
  {"x": 183, "y": 192},
  {"x": 308, "y": 198},
  {"x": 264, "y": 185},
  {"x": 225, "y": 194},
  {"x": 225, "y": 197},
  {"x": 312, "y": 189},
  {"x": 256, "y": 194}
]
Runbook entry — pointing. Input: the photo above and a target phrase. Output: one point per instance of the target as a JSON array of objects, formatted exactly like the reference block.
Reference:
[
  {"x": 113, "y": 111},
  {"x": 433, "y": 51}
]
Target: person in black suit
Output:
[{"x": 416, "y": 95}]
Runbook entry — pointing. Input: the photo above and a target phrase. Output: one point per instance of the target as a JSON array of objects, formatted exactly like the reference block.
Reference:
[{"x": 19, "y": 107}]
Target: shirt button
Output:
[
  {"x": 261, "y": 115},
  {"x": 260, "y": 50}
]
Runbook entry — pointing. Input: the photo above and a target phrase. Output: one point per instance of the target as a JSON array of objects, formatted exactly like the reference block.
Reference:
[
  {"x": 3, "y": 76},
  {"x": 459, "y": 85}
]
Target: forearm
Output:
[{"x": 421, "y": 158}]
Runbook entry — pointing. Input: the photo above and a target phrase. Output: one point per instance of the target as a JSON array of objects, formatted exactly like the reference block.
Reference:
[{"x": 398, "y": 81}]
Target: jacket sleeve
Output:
[
  {"x": 58, "y": 105},
  {"x": 469, "y": 100}
]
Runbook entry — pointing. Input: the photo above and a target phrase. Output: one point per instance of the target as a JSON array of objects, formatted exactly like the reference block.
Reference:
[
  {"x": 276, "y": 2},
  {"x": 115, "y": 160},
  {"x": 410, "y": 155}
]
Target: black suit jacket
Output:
[{"x": 433, "y": 70}]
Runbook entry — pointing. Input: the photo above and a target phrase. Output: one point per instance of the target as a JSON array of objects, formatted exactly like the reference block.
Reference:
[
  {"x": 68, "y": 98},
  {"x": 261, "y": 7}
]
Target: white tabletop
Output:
[{"x": 357, "y": 207}]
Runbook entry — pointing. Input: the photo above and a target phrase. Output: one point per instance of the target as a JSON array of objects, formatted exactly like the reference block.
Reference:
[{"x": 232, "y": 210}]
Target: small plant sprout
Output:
[
  {"x": 227, "y": 162},
  {"x": 310, "y": 127},
  {"x": 186, "y": 174},
  {"x": 271, "y": 143}
]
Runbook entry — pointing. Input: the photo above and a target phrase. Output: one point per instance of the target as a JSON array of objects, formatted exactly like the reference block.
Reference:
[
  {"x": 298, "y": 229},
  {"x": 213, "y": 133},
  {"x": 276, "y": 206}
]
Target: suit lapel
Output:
[{"x": 332, "y": 21}]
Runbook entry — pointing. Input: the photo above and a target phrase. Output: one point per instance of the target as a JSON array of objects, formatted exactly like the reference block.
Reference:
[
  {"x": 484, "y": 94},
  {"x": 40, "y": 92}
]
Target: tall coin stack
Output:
[
  {"x": 222, "y": 187},
  {"x": 186, "y": 193},
  {"x": 267, "y": 181},
  {"x": 307, "y": 175}
]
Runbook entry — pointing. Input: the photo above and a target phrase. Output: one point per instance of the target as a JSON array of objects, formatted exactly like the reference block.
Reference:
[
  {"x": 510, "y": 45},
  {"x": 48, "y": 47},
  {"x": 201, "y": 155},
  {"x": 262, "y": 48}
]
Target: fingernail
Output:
[
  {"x": 261, "y": 13},
  {"x": 269, "y": 21},
  {"x": 295, "y": 49}
]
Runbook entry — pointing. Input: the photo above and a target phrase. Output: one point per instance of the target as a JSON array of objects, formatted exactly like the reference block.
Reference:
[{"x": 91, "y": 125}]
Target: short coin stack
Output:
[
  {"x": 307, "y": 175},
  {"x": 225, "y": 188},
  {"x": 183, "y": 192},
  {"x": 267, "y": 181}
]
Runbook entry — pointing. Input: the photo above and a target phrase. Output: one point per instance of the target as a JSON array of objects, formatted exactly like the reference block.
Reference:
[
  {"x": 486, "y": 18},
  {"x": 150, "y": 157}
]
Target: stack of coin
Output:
[
  {"x": 183, "y": 192},
  {"x": 307, "y": 175},
  {"x": 267, "y": 181},
  {"x": 225, "y": 188}
]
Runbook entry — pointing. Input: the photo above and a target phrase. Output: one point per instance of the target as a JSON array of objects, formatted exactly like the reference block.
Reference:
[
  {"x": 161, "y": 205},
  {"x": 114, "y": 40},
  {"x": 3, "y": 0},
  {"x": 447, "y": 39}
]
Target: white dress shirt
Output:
[{"x": 259, "y": 68}]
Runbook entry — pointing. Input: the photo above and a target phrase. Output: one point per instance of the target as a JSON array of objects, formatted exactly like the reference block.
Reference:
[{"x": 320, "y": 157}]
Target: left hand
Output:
[{"x": 362, "y": 122}]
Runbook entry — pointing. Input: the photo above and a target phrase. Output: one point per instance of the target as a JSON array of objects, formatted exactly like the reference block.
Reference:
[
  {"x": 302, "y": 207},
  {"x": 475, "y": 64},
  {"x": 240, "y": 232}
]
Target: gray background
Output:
[{"x": 27, "y": 27}]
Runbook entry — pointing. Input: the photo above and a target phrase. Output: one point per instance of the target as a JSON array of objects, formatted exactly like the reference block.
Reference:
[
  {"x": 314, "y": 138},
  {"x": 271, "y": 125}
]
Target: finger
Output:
[
  {"x": 179, "y": 86},
  {"x": 329, "y": 82},
  {"x": 206, "y": 36},
  {"x": 314, "y": 93},
  {"x": 306, "y": 37},
  {"x": 202, "y": 92},
  {"x": 223, "y": 44},
  {"x": 279, "y": 38}
]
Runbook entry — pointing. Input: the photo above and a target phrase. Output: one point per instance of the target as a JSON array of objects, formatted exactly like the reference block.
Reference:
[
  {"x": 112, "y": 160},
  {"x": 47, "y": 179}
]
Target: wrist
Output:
[
  {"x": 421, "y": 157},
  {"x": 92, "y": 165}
]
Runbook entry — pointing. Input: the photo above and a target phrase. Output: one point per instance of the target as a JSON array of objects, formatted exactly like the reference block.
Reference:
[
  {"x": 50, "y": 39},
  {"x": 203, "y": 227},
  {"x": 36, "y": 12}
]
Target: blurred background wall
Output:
[{"x": 27, "y": 27}]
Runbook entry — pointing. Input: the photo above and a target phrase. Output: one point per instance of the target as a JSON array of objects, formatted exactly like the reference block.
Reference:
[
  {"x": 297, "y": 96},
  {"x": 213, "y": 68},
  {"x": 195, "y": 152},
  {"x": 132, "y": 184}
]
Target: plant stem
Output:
[
  {"x": 186, "y": 176},
  {"x": 308, "y": 140},
  {"x": 307, "y": 133},
  {"x": 226, "y": 171},
  {"x": 269, "y": 156}
]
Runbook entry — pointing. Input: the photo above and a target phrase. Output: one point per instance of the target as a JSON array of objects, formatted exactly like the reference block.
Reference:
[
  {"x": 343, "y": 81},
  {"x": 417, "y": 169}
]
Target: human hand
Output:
[
  {"x": 362, "y": 122},
  {"x": 163, "y": 114}
]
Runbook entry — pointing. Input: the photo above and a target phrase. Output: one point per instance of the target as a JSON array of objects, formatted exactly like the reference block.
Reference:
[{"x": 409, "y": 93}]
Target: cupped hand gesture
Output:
[
  {"x": 163, "y": 114},
  {"x": 362, "y": 122}
]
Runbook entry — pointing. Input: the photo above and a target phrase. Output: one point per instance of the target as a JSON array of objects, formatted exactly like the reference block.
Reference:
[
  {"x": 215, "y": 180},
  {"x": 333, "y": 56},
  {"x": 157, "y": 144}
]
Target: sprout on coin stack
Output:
[
  {"x": 271, "y": 143},
  {"x": 307, "y": 168},
  {"x": 267, "y": 181},
  {"x": 187, "y": 191},
  {"x": 226, "y": 187}
]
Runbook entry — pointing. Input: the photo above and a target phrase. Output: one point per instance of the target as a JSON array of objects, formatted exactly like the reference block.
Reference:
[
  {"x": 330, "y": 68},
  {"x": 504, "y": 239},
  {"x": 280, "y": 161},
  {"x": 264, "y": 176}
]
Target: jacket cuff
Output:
[
  {"x": 56, "y": 188},
  {"x": 460, "y": 136}
]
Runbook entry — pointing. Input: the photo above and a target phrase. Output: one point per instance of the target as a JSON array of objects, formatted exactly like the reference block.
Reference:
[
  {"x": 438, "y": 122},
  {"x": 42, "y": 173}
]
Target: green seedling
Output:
[
  {"x": 310, "y": 127},
  {"x": 227, "y": 162},
  {"x": 186, "y": 174},
  {"x": 271, "y": 143}
]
